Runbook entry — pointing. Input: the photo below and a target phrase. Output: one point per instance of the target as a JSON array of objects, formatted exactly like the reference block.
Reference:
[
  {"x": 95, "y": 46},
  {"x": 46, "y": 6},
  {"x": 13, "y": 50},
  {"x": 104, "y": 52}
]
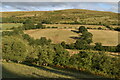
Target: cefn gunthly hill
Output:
[{"x": 72, "y": 16}]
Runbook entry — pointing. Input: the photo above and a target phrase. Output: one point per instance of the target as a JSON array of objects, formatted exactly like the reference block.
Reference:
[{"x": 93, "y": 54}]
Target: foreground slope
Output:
[{"x": 14, "y": 70}]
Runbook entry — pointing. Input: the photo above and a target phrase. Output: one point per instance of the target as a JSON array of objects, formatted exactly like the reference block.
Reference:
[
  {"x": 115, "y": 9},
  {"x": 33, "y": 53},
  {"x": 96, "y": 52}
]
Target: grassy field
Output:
[
  {"x": 14, "y": 70},
  {"x": 56, "y": 35},
  {"x": 5, "y": 26},
  {"x": 106, "y": 37},
  {"x": 74, "y": 26}
]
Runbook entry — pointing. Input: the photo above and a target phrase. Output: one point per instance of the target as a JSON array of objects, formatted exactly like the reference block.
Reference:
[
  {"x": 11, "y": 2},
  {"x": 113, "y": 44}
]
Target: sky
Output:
[{"x": 50, "y": 6}]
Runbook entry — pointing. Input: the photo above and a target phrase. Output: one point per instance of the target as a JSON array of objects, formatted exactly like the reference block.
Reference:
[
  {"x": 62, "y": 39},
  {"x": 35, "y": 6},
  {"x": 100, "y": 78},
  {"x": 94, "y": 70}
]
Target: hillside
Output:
[
  {"x": 14, "y": 70},
  {"x": 73, "y": 16},
  {"x": 71, "y": 43}
]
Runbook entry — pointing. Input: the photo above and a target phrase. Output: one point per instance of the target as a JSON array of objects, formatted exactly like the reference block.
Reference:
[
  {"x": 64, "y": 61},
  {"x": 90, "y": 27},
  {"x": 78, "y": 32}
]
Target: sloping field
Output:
[
  {"x": 106, "y": 37},
  {"x": 14, "y": 70},
  {"x": 5, "y": 26},
  {"x": 56, "y": 35}
]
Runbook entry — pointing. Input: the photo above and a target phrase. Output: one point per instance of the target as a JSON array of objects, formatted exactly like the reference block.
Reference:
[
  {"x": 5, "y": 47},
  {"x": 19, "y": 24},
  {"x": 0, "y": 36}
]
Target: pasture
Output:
[
  {"x": 14, "y": 70},
  {"x": 5, "y": 26},
  {"x": 106, "y": 37},
  {"x": 56, "y": 35}
]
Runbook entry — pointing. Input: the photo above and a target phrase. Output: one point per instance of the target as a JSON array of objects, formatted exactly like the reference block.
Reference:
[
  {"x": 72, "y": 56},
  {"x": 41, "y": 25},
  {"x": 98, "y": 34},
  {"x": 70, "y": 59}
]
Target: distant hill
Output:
[{"x": 68, "y": 16}]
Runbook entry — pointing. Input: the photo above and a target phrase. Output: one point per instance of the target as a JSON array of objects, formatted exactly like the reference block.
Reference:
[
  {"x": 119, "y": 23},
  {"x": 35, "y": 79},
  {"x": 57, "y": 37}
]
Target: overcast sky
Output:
[{"x": 48, "y": 6}]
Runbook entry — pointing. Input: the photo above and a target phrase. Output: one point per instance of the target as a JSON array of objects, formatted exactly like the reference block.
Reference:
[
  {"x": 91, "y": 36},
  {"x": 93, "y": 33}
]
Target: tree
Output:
[
  {"x": 63, "y": 44},
  {"x": 62, "y": 56},
  {"x": 14, "y": 49},
  {"x": 28, "y": 21},
  {"x": 70, "y": 46},
  {"x": 29, "y": 39},
  {"x": 81, "y": 60},
  {"x": 117, "y": 29},
  {"x": 46, "y": 55},
  {"x": 87, "y": 36},
  {"x": 98, "y": 46},
  {"x": 40, "y": 26},
  {"x": 118, "y": 47},
  {"x": 80, "y": 44},
  {"x": 82, "y": 29},
  {"x": 28, "y": 26},
  {"x": 42, "y": 41}
]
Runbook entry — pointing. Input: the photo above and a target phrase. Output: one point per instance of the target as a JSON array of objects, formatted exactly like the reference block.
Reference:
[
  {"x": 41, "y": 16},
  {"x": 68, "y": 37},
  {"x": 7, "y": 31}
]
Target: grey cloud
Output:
[
  {"x": 27, "y": 6},
  {"x": 59, "y": 0}
]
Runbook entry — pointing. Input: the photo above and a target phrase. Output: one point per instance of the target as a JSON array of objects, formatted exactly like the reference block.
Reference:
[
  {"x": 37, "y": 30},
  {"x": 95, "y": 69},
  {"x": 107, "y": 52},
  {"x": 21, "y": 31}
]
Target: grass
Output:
[
  {"x": 14, "y": 70},
  {"x": 56, "y": 35},
  {"x": 106, "y": 37},
  {"x": 5, "y": 26}
]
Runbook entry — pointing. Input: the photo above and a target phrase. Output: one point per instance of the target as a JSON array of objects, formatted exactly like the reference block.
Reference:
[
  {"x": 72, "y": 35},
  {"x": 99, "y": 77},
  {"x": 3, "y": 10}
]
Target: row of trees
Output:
[
  {"x": 85, "y": 38},
  {"x": 31, "y": 24}
]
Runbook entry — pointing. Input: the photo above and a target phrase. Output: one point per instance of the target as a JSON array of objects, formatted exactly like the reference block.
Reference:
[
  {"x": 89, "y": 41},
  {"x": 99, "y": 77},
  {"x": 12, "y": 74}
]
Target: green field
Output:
[
  {"x": 5, "y": 26},
  {"x": 106, "y": 37},
  {"x": 14, "y": 70}
]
